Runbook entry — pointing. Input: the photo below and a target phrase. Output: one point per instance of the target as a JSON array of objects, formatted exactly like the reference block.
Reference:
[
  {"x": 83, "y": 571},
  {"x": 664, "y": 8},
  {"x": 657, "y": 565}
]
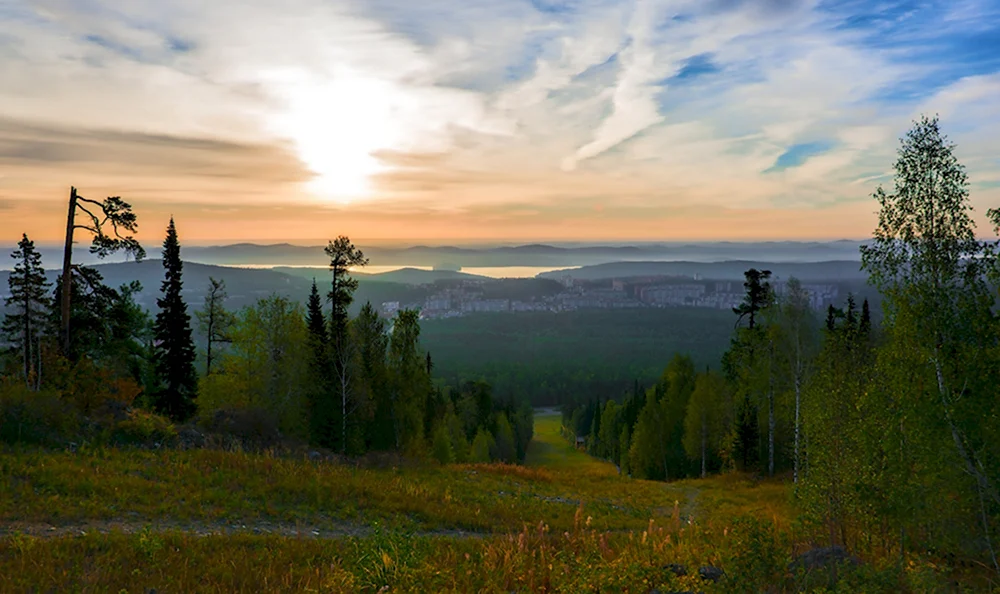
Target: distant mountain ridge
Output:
[{"x": 534, "y": 254}]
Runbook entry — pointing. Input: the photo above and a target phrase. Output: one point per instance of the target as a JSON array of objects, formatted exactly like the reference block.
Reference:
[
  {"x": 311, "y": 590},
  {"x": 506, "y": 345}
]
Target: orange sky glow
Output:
[{"x": 459, "y": 122}]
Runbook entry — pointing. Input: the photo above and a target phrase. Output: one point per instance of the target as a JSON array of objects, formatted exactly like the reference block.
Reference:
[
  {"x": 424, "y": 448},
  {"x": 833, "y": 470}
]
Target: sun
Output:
[{"x": 337, "y": 124}]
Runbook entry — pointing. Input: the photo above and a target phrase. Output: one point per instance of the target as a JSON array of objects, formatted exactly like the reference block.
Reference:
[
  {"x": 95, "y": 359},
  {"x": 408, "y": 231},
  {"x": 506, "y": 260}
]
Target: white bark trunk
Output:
[
  {"x": 704, "y": 442},
  {"x": 983, "y": 486},
  {"x": 798, "y": 406}
]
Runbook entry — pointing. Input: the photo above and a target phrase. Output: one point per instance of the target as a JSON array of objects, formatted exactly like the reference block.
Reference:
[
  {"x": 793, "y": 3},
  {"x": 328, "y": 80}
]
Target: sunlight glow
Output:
[{"x": 337, "y": 124}]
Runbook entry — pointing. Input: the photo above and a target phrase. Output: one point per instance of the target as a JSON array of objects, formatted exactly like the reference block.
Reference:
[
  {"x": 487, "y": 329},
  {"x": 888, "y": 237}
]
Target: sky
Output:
[{"x": 473, "y": 120}]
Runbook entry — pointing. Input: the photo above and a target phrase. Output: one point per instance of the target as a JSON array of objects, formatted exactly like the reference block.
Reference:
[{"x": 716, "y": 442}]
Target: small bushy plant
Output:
[
  {"x": 143, "y": 428},
  {"x": 40, "y": 418}
]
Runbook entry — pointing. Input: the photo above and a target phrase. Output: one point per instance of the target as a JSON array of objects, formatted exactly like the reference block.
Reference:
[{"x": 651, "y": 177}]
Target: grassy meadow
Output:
[{"x": 212, "y": 521}]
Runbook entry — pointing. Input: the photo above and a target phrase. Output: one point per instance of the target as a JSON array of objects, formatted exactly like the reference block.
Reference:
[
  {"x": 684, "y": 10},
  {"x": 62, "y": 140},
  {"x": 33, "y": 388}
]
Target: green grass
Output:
[
  {"x": 63, "y": 488},
  {"x": 549, "y": 450},
  {"x": 565, "y": 522}
]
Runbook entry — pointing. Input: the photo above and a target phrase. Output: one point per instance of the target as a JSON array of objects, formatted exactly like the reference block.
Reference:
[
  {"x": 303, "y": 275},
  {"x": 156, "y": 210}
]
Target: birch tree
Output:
[{"x": 931, "y": 268}]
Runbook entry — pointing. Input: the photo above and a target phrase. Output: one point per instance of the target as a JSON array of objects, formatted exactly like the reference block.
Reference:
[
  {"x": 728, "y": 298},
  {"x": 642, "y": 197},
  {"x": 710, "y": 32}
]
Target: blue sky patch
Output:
[
  {"x": 696, "y": 66},
  {"x": 797, "y": 154}
]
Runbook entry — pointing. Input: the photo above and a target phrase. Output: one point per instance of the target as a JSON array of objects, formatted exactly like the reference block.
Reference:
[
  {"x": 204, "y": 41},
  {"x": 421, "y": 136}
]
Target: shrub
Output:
[
  {"x": 757, "y": 556},
  {"x": 143, "y": 428},
  {"x": 90, "y": 387},
  {"x": 251, "y": 428},
  {"x": 40, "y": 418}
]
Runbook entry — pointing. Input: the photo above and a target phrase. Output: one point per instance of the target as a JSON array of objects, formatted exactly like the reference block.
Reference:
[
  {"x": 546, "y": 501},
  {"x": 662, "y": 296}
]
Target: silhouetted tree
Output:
[
  {"x": 321, "y": 427},
  {"x": 343, "y": 256},
  {"x": 114, "y": 212},
  {"x": 314, "y": 317},
  {"x": 865, "y": 327},
  {"x": 175, "y": 352},
  {"x": 28, "y": 303},
  {"x": 758, "y": 296},
  {"x": 90, "y": 312}
]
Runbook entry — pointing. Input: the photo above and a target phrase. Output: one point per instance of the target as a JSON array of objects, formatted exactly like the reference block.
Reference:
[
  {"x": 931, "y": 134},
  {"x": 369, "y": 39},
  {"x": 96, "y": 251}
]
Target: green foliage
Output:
[
  {"x": 143, "y": 428},
  {"x": 504, "y": 447},
  {"x": 410, "y": 383},
  {"x": 708, "y": 416},
  {"x": 441, "y": 445},
  {"x": 148, "y": 544},
  {"x": 656, "y": 449},
  {"x": 31, "y": 417},
  {"x": 483, "y": 446},
  {"x": 574, "y": 357},
  {"x": 757, "y": 555},
  {"x": 384, "y": 558},
  {"x": 28, "y": 303},
  {"x": 175, "y": 353},
  {"x": 266, "y": 367},
  {"x": 214, "y": 321}
]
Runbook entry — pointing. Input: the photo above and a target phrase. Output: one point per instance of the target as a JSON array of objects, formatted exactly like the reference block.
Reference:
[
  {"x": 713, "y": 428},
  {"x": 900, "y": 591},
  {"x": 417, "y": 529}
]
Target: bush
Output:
[
  {"x": 143, "y": 428},
  {"x": 90, "y": 388},
  {"x": 251, "y": 428},
  {"x": 758, "y": 555},
  {"x": 41, "y": 418}
]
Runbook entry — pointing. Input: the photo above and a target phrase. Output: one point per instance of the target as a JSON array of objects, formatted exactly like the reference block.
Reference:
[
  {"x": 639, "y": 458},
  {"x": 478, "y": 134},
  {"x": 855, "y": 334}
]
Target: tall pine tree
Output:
[
  {"x": 28, "y": 303},
  {"x": 175, "y": 352},
  {"x": 343, "y": 256}
]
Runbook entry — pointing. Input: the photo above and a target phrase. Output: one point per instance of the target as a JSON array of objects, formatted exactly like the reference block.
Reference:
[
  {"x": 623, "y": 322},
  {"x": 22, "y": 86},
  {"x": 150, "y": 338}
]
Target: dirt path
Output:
[{"x": 332, "y": 529}]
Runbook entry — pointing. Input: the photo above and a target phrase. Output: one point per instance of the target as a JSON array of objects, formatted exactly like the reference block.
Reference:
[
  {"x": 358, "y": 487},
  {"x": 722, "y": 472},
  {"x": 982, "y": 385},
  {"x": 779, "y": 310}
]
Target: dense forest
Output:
[
  {"x": 890, "y": 432},
  {"x": 553, "y": 359},
  {"x": 85, "y": 364}
]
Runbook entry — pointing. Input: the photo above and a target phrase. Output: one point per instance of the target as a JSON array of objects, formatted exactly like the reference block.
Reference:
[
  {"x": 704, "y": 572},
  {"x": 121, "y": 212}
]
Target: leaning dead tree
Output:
[{"x": 112, "y": 214}]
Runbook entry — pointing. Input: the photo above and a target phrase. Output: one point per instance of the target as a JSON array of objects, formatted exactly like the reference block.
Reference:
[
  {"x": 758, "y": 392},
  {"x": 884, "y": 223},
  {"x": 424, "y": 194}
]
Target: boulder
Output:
[
  {"x": 189, "y": 438},
  {"x": 823, "y": 557},
  {"x": 710, "y": 574}
]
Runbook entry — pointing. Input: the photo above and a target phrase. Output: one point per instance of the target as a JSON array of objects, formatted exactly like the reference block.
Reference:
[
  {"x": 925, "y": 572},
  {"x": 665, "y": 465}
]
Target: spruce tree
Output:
[
  {"x": 320, "y": 410},
  {"x": 866, "y": 320},
  {"x": 175, "y": 352},
  {"x": 28, "y": 303},
  {"x": 314, "y": 319}
]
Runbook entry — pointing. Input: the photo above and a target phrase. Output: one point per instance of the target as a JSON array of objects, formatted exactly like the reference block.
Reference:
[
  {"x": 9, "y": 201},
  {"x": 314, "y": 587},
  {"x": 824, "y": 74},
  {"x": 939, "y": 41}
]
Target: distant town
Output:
[{"x": 466, "y": 297}]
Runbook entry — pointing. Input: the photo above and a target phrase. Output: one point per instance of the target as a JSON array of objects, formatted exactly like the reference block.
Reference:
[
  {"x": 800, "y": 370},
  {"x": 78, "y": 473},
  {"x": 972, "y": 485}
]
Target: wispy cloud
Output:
[{"x": 482, "y": 114}]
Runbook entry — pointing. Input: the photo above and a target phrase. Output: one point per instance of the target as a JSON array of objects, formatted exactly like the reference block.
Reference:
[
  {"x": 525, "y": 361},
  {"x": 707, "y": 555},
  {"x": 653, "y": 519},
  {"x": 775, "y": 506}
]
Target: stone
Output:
[
  {"x": 710, "y": 574},
  {"x": 822, "y": 557},
  {"x": 676, "y": 569}
]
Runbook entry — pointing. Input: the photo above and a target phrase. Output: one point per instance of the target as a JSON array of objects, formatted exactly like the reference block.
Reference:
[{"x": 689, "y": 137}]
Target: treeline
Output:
[
  {"x": 891, "y": 432},
  {"x": 98, "y": 367}
]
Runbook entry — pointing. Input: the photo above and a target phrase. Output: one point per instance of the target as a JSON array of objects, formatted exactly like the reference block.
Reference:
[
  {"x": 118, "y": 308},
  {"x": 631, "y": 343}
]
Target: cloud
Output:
[
  {"x": 108, "y": 151},
  {"x": 445, "y": 107}
]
